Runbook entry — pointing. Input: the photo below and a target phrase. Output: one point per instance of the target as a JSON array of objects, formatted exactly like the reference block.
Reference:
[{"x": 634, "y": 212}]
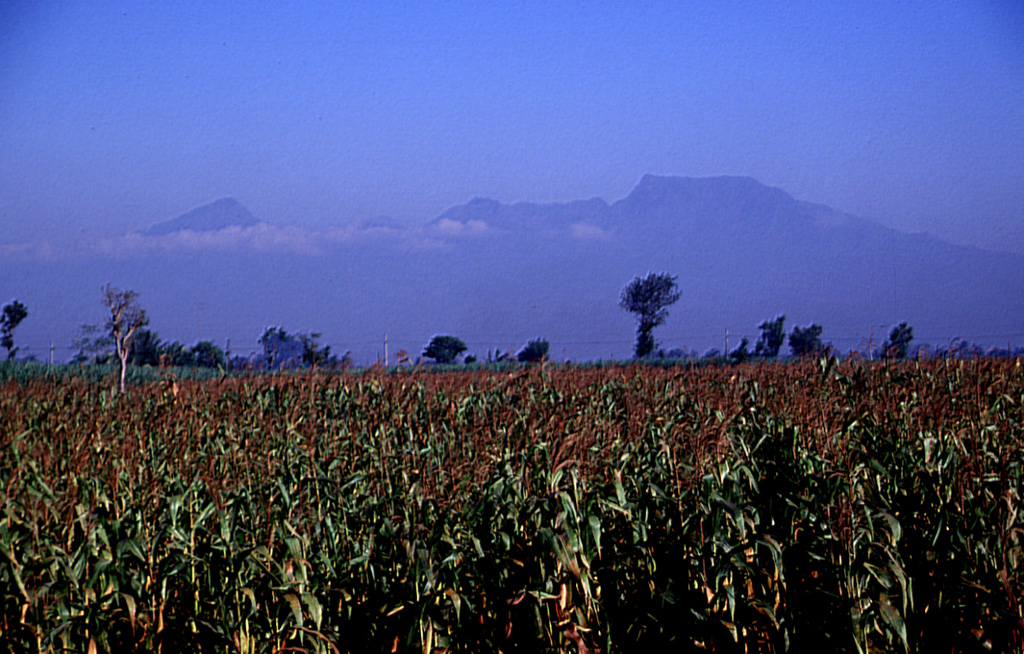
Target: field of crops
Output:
[{"x": 823, "y": 506}]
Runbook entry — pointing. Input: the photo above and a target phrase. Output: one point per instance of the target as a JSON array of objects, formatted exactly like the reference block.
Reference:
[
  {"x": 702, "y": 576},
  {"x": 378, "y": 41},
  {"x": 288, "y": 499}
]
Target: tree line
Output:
[
  {"x": 125, "y": 340},
  {"x": 650, "y": 297}
]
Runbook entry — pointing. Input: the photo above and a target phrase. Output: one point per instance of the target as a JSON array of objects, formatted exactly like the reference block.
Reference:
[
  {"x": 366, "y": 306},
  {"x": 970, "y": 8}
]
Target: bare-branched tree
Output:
[{"x": 126, "y": 317}]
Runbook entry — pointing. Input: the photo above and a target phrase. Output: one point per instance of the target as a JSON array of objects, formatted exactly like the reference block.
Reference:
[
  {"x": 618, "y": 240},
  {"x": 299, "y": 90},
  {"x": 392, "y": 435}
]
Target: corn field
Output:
[{"x": 834, "y": 506}]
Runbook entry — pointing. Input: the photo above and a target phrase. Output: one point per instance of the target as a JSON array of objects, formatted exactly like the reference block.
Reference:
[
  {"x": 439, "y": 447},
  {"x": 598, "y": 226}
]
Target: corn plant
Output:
[{"x": 770, "y": 507}]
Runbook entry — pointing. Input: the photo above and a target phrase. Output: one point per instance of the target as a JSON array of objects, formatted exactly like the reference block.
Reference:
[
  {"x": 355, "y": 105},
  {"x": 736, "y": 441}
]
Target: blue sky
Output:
[{"x": 118, "y": 115}]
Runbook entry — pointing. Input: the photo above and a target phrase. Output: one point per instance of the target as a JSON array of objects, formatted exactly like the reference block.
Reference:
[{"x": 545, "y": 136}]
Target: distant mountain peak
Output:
[
  {"x": 225, "y": 212},
  {"x": 721, "y": 186},
  {"x": 730, "y": 205}
]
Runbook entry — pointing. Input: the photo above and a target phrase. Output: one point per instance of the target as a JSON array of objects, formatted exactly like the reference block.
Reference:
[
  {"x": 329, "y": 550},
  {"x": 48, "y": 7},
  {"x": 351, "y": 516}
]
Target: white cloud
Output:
[
  {"x": 588, "y": 232},
  {"x": 40, "y": 251},
  {"x": 449, "y": 227},
  {"x": 261, "y": 238}
]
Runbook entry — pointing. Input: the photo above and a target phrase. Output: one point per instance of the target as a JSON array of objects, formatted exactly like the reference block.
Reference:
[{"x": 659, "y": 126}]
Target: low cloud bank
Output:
[
  {"x": 260, "y": 238},
  {"x": 272, "y": 239}
]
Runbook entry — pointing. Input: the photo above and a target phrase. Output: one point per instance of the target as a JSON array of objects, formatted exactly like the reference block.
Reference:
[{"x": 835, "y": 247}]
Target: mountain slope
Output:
[
  {"x": 226, "y": 212},
  {"x": 499, "y": 274},
  {"x": 744, "y": 251}
]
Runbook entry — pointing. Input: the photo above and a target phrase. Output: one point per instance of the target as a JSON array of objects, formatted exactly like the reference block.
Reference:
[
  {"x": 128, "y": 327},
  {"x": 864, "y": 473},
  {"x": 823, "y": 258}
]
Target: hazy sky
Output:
[{"x": 118, "y": 115}]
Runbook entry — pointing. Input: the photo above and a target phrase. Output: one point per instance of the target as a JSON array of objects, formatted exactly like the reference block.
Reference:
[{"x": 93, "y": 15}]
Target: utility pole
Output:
[
  {"x": 51, "y": 353},
  {"x": 385, "y": 350}
]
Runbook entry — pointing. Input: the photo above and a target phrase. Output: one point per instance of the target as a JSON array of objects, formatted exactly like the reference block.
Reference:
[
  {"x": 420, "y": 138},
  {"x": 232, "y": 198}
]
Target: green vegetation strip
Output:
[{"x": 825, "y": 506}]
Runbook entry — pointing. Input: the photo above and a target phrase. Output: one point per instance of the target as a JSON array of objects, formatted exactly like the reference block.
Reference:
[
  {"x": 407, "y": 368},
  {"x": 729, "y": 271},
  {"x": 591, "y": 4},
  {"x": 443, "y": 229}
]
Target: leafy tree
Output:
[
  {"x": 899, "y": 341},
  {"x": 741, "y": 353},
  {"x": 806, "y": 341},
  {"x": 535, "y": 350},
  {"x": 279, "y": 347},
  {"x": 312, "y": 353},
  {"x": 959, "y": 348},
  {"x": 271, "y": 339},
  {"x": 444, "y": 348},
  {"x": 13, "y": 313},
  {"x": 93, "y": 345},
  {"x": 146, "y": 349},
  {"x": 207, "y": 355},
  {"x": 648, "y": 298},
  {"x": 126, "y": 317},
  {"x": 772, "y": 337},
  {"x": 176, "y": 354},
  {"x": 498, "y": 356},
  {"x": 345, "y": 362}
]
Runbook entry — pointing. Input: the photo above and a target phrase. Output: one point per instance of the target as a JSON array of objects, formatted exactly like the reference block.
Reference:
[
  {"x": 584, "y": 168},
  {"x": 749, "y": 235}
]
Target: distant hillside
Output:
[
  {"x": 226, "y": 212},
  {"x": 497, "y": 275},
  {"x": 528, "y": 215},
  {"x": 743, "y": 252}
]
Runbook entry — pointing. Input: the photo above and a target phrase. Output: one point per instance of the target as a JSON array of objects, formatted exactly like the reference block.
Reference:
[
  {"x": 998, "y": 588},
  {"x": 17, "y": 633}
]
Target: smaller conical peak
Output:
[{"x": 217, "y": 215}]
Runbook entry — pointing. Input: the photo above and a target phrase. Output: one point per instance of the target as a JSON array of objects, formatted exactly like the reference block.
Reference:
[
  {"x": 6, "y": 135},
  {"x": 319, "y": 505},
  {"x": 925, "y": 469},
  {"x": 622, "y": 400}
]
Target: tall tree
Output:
[
  {"x": 444, "y": 348},
  {"x": 899, "y": 341},
  {"x": 806, "y": 341},
  {"x": 741, "y": 353},
  {"x": 312, "y": 354},
  {"x": 534, "y": 350},
  {"x": 146, "y": 348},
  {"x": 126, "y": 318},
  {"x": 208, "y": 355},
  {"x": 772, "y": 337},
  {"x": 649, "y": 298},
  {"x": 280, "y": 347},
  {"x": 176, "y": 354},
  {"x": 14, "y": 312}
]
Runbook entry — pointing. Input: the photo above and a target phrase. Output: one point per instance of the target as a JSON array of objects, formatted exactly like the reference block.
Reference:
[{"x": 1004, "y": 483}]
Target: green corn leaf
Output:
[
  {"x": 895, "y": 622},
  {"x": 315, "y": 610},
  {"x": 595, "y": 530},
  {"x": 296, "y": 606}
]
